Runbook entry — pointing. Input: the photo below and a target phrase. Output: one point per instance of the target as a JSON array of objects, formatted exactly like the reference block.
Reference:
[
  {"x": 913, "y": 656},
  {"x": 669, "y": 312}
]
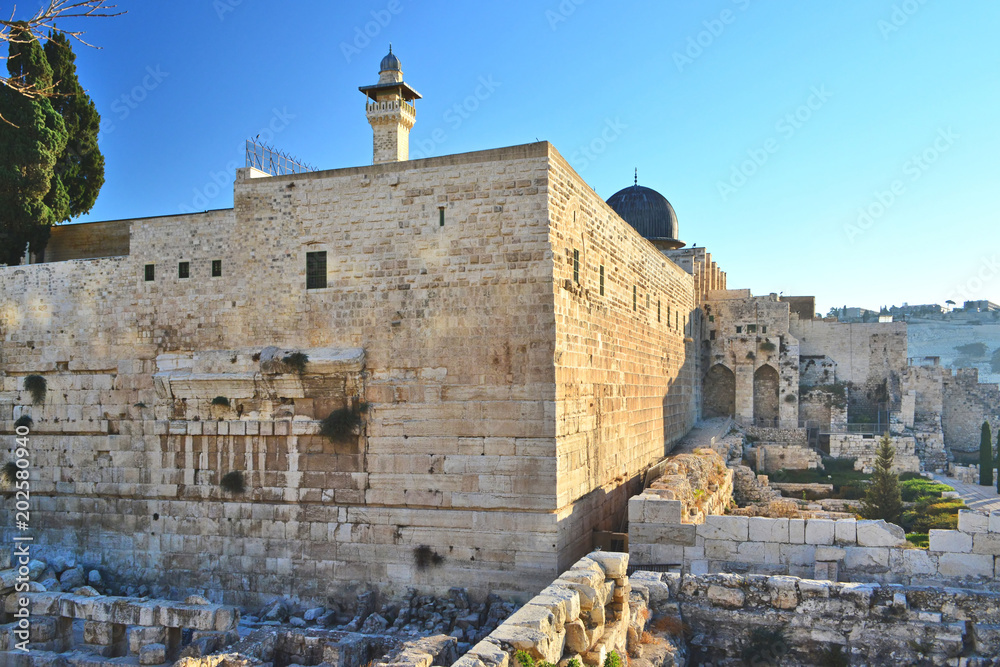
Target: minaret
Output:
[{"x": 390, "y": 112}]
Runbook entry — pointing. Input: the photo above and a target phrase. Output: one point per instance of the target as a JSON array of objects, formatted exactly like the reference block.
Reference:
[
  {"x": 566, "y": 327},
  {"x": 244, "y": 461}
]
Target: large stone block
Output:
[
  {"x": 965, "y": 565},
  {"x": 614, "y": 564},
  {"x": 971, "y": 521},
  {"x": 846, "y": 532},
  {"x": 986, "y": 543},
  {"x": 658, "y": 510},
  {"x": 866, "y": 558},
  {"x": 766, "y": 529},
  {"x": 820, "y": 531},
  {"x": 918, "y": 562},
  {"x": 655, "y": 533},
  {"x": 952, "y": 541},
  {"x": 721, "y": 596},
  {"x": 139, "y": 636},
  {"x": 880, "y": 534},
  {"x": 994, "y": 521},
  {"x": 797, "y": 531},
  {"x": 798, "y": 554},
  {"x": 718, "y": 527}
]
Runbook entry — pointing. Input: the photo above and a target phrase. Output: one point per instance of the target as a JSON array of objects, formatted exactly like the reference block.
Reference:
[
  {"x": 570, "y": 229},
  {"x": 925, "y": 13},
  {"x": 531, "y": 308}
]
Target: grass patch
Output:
[
  {"x": 921, "y": 487},
  {"x": 932, "y": 513},
  {"x": 36, "y": 386},
  {"x": 918, "y": 540},
  {"x": 233, "y": 482}
]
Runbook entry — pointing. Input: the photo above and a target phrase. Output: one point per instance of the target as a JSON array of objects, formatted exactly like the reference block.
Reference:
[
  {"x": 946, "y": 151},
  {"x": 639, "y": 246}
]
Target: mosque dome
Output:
[
  {"x": 649, "y": 213},
  {"x": 390, "y": 62}
]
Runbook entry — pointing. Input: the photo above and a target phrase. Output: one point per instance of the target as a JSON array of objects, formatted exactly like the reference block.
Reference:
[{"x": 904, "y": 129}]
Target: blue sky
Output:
[{"x": 843, "y": 149}]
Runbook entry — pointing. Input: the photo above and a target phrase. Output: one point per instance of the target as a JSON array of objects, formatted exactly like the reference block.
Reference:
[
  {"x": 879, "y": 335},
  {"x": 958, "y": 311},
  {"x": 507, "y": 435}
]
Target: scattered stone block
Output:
[
  {"x": 880, "y": 534},
  {"x": 153, "y": 654},
  {"x": 140, "y": 636},
  {"x": 614, "y": 564}
]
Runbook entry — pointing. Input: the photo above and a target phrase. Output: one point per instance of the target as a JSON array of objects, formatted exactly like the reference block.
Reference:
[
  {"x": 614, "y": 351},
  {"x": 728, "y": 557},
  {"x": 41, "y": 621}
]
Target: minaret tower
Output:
[{"x": 390, "y": 111}]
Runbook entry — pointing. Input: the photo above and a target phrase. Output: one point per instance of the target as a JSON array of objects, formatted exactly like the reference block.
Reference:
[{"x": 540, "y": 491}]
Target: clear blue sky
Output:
[{"x": 769, "y": 126}]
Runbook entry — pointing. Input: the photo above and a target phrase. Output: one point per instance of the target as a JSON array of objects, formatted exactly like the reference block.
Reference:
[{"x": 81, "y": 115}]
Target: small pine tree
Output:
[
  {"x": 998, "y": 462},
  {"x": 882, "y": 498},
  {"x": 986, "y": 456}
]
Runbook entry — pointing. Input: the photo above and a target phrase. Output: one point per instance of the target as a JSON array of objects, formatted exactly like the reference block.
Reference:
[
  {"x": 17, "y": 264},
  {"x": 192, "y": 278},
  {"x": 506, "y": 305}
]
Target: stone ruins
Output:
[{"x": 451, "y": 379}]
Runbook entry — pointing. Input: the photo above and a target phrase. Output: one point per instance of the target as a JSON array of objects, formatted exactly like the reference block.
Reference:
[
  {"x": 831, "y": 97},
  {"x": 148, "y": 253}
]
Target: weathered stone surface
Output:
[
  {"x": 880, "y": 534},
  {"x": 953, "y": 541},
  {"x": 576, "y": 637},
  {"x": 735, "y": 528},
  {"x": 819, "y": 531},
  {"x": 722, "y": 596},
  {"x": 153, "y": 654},
  {"x": 986, "y": 543},
  {"x": 829, "y": 553},
  {"x": 784, "y": 592},
  {"x": 846, "y": 532},
  {"x": 614, "y": 564},
  {"x": 971, "y": 521},
  {"x": 766, "y": 529},
  {"x": 866, "y": 558},
  {"x": 797, "y": 531},
  {"x": 965, "y": 565},
  {"x": 918, "y": 562}
]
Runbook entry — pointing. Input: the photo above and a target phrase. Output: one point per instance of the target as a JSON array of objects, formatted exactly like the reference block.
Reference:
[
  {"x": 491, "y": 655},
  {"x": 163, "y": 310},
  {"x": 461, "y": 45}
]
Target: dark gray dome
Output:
[
  {"x": 390, "y": 62},
  {"x": 648, "y": 212}
]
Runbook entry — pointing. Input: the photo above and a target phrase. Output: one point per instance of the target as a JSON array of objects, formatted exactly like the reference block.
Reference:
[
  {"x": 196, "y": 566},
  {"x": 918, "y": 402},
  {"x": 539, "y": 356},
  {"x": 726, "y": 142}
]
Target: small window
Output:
[
  {"x": 635, "y": 296},
  {"x": 739, "y": 329},
  {"x": 602, "y": 280},
  {"x": 668, "y": 314},
  {"x": 150, "y": 272},
  {"x": 184, "y": 270},
  {"x": 576, "y": 266},
  {"x": 216, "y": 268},
  {"x": 658, "y": 310},
  {"x": 316, "y": 270},
  {"x": 751, "y": 328},
  {"x": 711, "y": 318},
  {"x": 711, "y": 334},
  {"x": 763, "y": 329},
  {"x": 441, "y": 216}
]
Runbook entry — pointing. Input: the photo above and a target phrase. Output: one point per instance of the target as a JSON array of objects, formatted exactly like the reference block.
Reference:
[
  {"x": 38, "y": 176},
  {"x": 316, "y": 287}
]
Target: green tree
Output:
[
  {"x": 985, "y": 456},
  {"x": 30, "y": 145},
  {"x": 998, "y": 462},
  {"x": 882, "y": 499},
  {"x": 79, "y": 172}
]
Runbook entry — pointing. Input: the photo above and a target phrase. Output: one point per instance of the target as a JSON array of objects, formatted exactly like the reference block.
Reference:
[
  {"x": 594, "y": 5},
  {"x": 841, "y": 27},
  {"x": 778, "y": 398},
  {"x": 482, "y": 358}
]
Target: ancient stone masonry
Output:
[
  {"x": 760, "y": 619},
  {"x": 845, "y": 549},
  {"x": 520, "y": 349},
  {"x": 862, "y": 448}
]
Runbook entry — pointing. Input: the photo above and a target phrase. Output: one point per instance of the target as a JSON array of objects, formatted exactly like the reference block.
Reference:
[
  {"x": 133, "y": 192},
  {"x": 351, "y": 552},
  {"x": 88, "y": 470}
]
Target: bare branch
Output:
[{"x": 44, "y": 20}]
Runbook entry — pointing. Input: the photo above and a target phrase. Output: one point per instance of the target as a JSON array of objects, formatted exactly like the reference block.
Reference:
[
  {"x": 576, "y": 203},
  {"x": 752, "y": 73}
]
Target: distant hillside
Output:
[{"x": 942, "y": 338}]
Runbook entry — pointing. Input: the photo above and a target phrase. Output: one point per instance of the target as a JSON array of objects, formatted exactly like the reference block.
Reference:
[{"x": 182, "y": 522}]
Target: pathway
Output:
[{"x": 982, "y": 498}]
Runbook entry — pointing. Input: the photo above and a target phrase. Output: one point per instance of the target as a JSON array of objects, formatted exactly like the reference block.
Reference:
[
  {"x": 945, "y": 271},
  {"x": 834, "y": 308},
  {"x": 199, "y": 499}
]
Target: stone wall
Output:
[
  {"x": 790, "y": 457},
  {"x": 967, "y": 403},
  {"x": 88, "y": 241},
  {"x": 845, "y": 549},
  {"x": 693, "y": 486},
  {"x": 503, "y": 402},
  {"x": 585, "y": 613},
  {"x": 861, "y": 352},
  {"x": 808, "y": 622},
  {"x": 864, "y": 450}
]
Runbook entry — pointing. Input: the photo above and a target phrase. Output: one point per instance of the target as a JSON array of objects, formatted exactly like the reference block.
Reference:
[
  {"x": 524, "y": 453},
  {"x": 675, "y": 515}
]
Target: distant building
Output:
[{"x": 982, "y": 306}]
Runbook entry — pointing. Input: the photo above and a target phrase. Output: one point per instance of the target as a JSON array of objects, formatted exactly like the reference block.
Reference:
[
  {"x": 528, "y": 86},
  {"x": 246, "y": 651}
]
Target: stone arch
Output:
[
  {"x": 720, "y": 392},
  {"x": 765, "y": 393}
]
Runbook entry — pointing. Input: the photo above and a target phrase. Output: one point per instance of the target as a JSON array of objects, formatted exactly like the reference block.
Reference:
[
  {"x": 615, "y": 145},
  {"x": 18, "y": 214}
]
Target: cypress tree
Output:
[
  {"x": 986, "y": 456},
  {"x": 998, "y": 460},
  {"x": 882, "y": 498},
  {"x": 30, "y": 144},
  {"x": 79, "y": 172}
]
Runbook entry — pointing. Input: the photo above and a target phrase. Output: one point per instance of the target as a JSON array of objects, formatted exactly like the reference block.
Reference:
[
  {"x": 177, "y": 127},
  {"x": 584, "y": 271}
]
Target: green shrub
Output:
[
  {"x": 832, "y": 465},
  {"x": 24, "y": 420},
  {"x": 8, "y": 474},
  {"x": 918, "y": 540},
  {"x": 296, "y": 361},
  {"x": 932, "y": 513},
  {"x": 612, "y": 659},
  {"x": 340, "y": 424},
  {"x": 36, "y": 386},
  {"x": 921, "y": 487},
  {"x": 221, "y": 400},
  {"x": 233, "y": 482}
]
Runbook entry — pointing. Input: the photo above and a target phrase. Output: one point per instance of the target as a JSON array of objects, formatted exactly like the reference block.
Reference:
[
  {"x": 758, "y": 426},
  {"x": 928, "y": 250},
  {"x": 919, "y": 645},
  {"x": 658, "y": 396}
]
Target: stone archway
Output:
[
  {"x": 765, "y": 394},
  {"x": 720, "y": 392}
]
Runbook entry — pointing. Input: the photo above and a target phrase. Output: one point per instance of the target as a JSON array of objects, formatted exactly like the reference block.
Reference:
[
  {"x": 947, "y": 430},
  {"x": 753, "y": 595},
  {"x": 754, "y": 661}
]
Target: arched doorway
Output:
[
  {"x": 720, "y": 392},
  {"x": 765, "y": 394}
]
